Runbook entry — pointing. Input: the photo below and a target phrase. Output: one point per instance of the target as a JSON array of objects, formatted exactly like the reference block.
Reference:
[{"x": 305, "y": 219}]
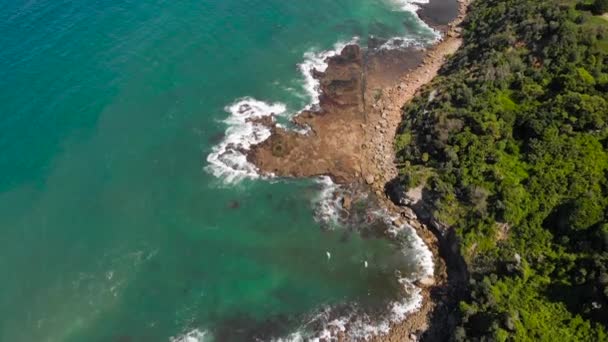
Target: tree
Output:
[{"x": 600, "y": 7}]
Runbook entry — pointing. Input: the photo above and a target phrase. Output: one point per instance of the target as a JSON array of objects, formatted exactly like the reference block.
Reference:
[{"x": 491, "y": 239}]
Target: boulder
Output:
[
  {"x": 408, "y": 213},
  {"x": 347, "y": 202},
  {"x": 369, "y": 179},
  {"x": 426, "y": 282}
]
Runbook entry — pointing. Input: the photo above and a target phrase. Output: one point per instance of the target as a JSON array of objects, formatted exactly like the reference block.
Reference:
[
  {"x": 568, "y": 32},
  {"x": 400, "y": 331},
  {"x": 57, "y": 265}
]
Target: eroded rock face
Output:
[
  {"x": 329, "y": 147},
  {"x": 352, "y": 130}
]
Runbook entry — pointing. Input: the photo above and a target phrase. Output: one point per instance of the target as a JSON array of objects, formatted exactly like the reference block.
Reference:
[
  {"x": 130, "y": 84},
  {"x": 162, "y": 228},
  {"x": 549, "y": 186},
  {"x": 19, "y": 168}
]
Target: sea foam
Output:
[
  {"x": 356, "y": 324},
  {"x": 327, "y": 206},
  {"x": 228, "y": 159},
  {"x": 317, "y": 60},
  {"x": 195, "y": 335},
  {"x": 409, "y": 5}
]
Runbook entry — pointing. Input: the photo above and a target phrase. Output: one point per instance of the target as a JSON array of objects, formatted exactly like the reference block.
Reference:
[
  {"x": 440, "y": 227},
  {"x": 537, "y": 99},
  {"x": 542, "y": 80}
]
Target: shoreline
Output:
[
  {"x": 361, "y": 99},
  {"x": 420, "y": 322}
]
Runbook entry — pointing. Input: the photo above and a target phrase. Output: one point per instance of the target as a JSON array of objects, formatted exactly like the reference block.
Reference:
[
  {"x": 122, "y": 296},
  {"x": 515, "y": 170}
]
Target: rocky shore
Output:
[{"x": 350, "y": 135}]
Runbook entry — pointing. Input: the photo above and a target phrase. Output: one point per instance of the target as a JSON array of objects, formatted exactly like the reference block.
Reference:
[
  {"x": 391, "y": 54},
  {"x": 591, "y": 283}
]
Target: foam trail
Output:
[
  {"x": 357, "y": 325},
  {"x": 409, "y": 5},
  {"x": 228, "y": 159},
  {"x": 195, "y": 335},
  {"x": 417, "y": 250},
  {"x": 327, "y": 205},
  {"x": 314, "y": 60}
]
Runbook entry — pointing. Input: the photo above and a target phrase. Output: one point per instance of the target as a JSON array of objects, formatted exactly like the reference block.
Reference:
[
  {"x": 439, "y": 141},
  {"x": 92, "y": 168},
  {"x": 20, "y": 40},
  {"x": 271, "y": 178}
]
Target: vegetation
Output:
[
  {"x": 512, "y": 138},
  {"x": 600, "y": 6}
]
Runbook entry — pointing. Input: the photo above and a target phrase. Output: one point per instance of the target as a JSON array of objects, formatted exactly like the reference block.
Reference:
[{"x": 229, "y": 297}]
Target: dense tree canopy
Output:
[
  {"x": 511, "y": 143},
  {"x": 600, "y": 6}
]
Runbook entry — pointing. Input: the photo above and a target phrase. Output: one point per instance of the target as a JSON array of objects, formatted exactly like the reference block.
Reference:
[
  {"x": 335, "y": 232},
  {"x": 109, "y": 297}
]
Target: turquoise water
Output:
[{"x": 111, "y": 228}]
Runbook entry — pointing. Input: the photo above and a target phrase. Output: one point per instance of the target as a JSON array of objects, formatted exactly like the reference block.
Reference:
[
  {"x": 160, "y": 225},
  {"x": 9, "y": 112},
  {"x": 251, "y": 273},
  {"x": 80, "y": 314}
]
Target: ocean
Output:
[{"x": 126, "y": 213}]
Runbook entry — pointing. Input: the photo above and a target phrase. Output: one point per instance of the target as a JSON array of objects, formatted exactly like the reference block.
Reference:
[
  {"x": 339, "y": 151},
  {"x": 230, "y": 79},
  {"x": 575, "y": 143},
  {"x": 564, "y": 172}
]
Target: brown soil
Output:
[{"x": 352, "y": 132}]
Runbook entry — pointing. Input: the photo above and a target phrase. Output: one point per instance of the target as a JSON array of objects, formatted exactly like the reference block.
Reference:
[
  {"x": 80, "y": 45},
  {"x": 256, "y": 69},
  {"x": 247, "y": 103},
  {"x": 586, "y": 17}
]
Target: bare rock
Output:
[
  {"x": 347, "y": 202},
  {"x": 426, "y": 282},
  {"x": 369, "y": 179},
  {"x": 398, "y": 222},
  {"x": 408, "y": 213}
]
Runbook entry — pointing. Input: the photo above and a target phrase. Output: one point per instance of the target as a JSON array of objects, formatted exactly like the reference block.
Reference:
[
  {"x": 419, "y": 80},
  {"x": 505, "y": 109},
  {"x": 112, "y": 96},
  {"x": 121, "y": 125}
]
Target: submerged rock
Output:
[{"x": 234, "y": 204}]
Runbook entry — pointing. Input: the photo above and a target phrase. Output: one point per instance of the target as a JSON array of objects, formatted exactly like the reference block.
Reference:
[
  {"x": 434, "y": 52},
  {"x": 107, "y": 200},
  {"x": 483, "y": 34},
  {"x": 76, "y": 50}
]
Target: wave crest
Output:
[
  {"x": 195, "y": 335},
  {"x": 228, "y": 159},
  {"x": 315, "y": 60}
]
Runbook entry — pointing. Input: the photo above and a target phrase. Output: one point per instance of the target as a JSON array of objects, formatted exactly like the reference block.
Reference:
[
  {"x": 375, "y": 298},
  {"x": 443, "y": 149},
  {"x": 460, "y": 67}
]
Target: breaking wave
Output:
[
  {"x": 357, "y": 324},
  {"x": 409, "y": 5},
  {"x": 315, "y": 60},
  {"x": 228, "y": 159},
  {"x": 195, "y": 335}
]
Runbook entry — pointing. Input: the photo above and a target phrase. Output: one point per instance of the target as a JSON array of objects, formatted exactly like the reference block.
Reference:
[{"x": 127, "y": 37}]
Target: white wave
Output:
[
  {"x": 303, "y": 130},
  {"x": 357, "y": 325},
  {"x": 327, "y": 205},
  {"x": 297, "y": 336},
  {"x": 416, "y": 249},
  {"x": 402, "y": 43},
  {"x": 360, "y": 327},
  {"x": 195, "y": 335},
  {"x": 315, "y": 60},
  {"x": 328, "y": 210},
  {"x": 228, "y": 159},
  {"x": 409, "y": 5}
]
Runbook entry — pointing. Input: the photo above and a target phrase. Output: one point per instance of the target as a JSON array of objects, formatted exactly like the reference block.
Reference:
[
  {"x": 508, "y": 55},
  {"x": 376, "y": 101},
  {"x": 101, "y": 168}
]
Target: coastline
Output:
[
  {"x": 350, "y": 135},
  {"x": 419, "y": 322}
]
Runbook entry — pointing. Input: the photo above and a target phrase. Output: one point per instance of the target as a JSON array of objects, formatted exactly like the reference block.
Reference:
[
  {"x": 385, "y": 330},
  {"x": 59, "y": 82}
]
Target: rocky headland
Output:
[{"x": 350, "y": 134}]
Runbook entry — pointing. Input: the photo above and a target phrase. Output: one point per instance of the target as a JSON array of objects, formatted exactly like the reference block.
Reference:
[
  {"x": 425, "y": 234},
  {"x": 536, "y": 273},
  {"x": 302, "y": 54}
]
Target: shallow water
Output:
[{"x": 113, "y": 226}]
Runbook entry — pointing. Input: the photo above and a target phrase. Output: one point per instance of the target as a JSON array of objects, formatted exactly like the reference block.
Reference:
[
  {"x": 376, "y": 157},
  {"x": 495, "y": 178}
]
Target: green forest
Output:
[{"x": 510, "y": 142}]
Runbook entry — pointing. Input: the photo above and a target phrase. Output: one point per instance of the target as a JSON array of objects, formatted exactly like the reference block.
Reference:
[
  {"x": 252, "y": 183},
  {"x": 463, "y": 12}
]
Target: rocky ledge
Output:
[{"x": 350, "y": 138}]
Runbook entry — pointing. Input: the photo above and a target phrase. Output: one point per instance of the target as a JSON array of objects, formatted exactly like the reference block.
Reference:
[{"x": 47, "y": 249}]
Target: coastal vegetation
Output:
[{"x": 510, "y": 142}]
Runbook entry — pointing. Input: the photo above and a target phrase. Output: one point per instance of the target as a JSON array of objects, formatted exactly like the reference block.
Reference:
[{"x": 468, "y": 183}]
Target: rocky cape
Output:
[{"x": 349, "y": 137}]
